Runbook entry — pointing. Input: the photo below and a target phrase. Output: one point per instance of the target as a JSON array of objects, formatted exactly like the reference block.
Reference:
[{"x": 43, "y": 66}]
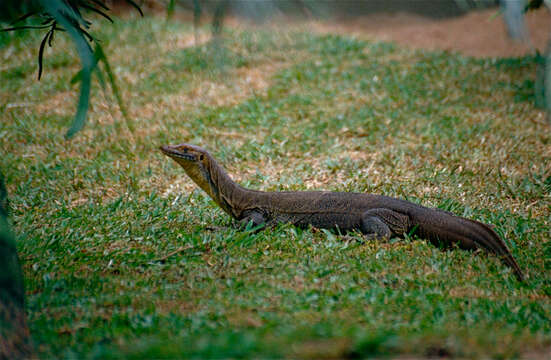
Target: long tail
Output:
[{"x": 443, "y": 228}]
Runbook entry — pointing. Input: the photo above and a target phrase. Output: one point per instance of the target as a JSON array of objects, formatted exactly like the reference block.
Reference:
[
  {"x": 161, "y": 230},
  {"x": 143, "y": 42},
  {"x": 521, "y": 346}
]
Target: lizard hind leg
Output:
[
  {"x": 374, "y": 228},
  {"x": 383, "y": 223},
  {"x": 252, "y": 219}
]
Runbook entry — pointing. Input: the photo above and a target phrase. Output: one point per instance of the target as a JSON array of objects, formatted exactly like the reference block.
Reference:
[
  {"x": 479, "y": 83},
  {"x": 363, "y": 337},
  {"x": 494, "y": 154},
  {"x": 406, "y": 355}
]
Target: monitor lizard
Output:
[{"x": 376, "y": 216}]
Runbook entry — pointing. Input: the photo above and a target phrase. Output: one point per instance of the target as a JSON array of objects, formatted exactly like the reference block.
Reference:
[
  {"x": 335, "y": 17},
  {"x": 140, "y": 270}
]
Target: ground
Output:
[
  {"x": 479, "y": 33},
  {"x": 125, "y": 257}
]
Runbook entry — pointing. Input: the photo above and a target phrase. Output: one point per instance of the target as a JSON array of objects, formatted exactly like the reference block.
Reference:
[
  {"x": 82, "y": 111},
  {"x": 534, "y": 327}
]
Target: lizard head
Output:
[
  {"x": 203, "y": 170},
  {"x": 191, "y": 158},
  {"x": 186, "y": 155},
  {"x": 196, "y": 162}
]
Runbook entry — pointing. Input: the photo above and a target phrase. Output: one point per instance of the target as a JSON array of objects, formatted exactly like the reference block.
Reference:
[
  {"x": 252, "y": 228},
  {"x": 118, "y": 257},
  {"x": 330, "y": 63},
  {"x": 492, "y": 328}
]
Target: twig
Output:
[{"x": 172, "y": 253}]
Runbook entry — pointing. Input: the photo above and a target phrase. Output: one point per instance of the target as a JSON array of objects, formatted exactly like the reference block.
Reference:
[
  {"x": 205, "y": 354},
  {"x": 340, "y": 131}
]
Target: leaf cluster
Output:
[{"x": 69, "y": 16}]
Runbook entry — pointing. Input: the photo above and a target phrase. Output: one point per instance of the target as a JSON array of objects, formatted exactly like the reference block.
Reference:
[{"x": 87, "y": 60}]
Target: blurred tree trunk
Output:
[
  {"x": 14, "y": 333},
  {"x": 197, "y": 10},
  {"x": 218, "y": 18}
]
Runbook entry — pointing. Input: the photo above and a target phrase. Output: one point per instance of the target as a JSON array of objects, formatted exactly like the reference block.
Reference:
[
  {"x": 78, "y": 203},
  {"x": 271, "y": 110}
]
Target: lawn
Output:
[{"x": 124, "y": 257}]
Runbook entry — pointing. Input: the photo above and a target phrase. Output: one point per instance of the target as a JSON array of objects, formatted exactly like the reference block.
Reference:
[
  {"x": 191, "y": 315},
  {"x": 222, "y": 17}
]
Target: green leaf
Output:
[
  {"x": 69, "y": 20},
  {"x": 26, "y": 27},
  {"x": 170, "y": 8},
  {"x": 101, "y": 80},
  {"x": 100, "y": 55},
  {"x": 82, "y": 107},
  {"x": 24, "y": 17},
  {"x": 136, "y": 6},
  {"x": 97, "y": 11},
  {"x": 41, "y": 53}
]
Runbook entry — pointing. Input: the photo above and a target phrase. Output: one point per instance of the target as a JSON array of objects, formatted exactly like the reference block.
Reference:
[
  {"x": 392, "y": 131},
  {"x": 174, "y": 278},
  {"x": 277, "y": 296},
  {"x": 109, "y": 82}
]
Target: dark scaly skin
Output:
[{"x": 376, "y": 216}]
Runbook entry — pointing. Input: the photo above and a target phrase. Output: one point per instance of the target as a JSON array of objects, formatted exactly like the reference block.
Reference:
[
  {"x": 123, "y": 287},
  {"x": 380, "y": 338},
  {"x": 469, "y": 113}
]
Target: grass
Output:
[{"x": 124, "y": 257}]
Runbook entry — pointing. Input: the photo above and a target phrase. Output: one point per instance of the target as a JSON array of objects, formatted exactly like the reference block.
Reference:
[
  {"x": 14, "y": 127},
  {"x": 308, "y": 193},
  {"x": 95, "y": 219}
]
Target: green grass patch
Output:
[{"x": 124, "y": 257}]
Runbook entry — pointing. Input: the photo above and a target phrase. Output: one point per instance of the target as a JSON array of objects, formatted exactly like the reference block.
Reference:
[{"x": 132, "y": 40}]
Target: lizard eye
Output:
[
  {"x": 185, "y": 150},
  {"x": 201, "y": 157}
]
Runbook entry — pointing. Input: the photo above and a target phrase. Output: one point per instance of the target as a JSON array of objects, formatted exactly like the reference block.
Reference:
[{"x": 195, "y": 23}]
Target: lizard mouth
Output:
[{"x": 173, "y": 153}]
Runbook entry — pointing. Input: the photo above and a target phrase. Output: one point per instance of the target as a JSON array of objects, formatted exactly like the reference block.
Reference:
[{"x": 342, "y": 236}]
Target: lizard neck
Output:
[{"x": 222, "y": 189}]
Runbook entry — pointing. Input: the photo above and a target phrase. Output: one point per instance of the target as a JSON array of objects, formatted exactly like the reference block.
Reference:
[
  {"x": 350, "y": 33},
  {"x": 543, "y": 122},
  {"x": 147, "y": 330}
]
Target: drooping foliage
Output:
[{"x": 70, "y": 16}]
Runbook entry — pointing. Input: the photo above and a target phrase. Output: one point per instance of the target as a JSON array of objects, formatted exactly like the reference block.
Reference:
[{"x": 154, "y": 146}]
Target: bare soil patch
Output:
[{"x": 479, "y": 33}]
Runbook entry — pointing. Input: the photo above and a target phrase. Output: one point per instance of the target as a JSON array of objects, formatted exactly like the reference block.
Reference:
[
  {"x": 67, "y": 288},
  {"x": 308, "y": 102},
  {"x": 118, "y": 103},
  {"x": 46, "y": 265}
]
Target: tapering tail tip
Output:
[
  {"x": 516, "y": 269},
  {"x": 469, "y": 234},
  {"x": 485, "y": 237},
  {"x": 495, "y": 244}
]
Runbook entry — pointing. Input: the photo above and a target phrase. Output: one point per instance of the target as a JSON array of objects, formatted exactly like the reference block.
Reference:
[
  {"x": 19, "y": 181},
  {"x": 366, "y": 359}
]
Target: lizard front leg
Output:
[
  {"x": 383, "y": 223},
  {"x": 252, "y": 219}
]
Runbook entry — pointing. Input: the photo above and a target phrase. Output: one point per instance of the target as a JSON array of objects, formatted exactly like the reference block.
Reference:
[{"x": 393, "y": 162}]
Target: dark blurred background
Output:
[{"x": 262, "y": 9}]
